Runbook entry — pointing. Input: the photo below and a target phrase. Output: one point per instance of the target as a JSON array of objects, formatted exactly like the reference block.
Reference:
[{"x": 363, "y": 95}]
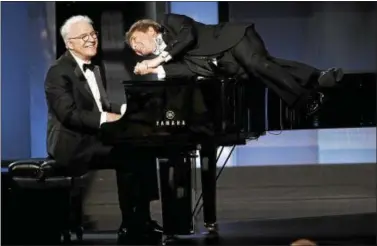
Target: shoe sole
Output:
[
  {"x": 337, "y": 77},
  {"x": 339, "y": 74}
]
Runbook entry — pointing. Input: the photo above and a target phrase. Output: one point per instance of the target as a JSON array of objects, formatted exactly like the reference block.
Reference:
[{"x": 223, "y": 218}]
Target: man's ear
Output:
[{"x": 68, "y": 45}]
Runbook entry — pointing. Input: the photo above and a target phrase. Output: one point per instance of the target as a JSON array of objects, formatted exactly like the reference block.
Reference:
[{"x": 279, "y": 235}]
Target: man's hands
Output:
[
  {"x": 142, "y": 69},
  {"x": 148, "y": 66},
  {"x": 111, "y": 117},
  {"x": 153, "y": 63}
]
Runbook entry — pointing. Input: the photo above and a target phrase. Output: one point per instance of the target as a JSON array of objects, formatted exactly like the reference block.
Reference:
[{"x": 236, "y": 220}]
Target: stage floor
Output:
[
  {"x": 259, "y": 193},
  {"x": 330, "y": 204},
  {"x": 328, "y": 230}
]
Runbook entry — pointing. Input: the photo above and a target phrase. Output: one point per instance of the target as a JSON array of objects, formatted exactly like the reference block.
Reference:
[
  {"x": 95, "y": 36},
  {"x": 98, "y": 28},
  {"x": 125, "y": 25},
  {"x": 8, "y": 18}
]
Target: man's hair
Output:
[
  {"x": 141, "y": 26},
  {"x": 66, "y": 27}
]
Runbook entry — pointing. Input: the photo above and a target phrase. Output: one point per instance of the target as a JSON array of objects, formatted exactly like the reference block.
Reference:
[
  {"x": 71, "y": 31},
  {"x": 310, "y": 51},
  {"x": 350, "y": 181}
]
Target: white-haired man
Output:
[{"x": 77, "y": 106}]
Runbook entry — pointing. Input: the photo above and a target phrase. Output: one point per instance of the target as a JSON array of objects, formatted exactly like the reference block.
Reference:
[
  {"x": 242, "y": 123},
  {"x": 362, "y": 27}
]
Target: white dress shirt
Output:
[
  {"x": 92, "y": 82},
  {"x": 160, "y": 50}
]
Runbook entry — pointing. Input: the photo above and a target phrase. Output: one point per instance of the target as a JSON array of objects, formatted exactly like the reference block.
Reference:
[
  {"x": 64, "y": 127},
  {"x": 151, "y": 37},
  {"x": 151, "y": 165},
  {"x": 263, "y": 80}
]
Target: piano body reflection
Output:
[{"x": 176, "y": 118}]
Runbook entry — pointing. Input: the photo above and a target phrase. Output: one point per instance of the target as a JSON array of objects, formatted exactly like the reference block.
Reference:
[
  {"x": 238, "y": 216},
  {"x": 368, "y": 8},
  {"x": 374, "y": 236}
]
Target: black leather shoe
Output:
[
  {"x": 125, "y": 237},
  {"x": 137, "y": 237},
  {"x": 330, "y": 77},
  {"x": 212, "y": 228},
  {"x": 315, "y": 103},
  {"x": 154, "y": 227},
  {"x": 149, "y": 231},
  {"x": 169, "y": 240}
]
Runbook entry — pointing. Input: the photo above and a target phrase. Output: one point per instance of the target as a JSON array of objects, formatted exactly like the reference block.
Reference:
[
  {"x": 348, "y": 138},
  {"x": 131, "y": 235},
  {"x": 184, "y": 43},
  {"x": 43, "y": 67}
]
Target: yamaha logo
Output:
[{"x": 170, "y": 115}]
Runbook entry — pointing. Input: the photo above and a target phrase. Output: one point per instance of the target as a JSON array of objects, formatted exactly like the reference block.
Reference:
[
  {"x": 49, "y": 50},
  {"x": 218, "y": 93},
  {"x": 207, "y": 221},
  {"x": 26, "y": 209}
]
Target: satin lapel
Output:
[
  {"x": 82, "y": 84},
  {"x": 104, "y": 100}
]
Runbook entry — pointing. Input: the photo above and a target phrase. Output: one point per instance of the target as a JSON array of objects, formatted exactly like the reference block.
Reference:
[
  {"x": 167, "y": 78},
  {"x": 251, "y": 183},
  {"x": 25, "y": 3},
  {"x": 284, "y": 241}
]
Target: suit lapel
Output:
[
  {"x": 82, "y": 84},
  {"x": 168, "y": 37},
  {"x": 104, "y": 100}
]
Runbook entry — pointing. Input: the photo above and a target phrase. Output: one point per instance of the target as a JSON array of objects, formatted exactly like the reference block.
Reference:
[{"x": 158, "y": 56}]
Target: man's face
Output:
[
  {"x": 82, "y": 40},
  {"x": 143, "y": 43}
]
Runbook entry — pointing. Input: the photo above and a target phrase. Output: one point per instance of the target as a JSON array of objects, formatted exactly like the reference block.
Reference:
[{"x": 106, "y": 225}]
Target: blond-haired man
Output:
[{"x": 187, "y": 48}]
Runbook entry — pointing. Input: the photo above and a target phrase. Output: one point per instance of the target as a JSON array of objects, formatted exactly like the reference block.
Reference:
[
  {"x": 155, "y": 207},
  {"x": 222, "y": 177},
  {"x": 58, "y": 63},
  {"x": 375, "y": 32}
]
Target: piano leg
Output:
[
  {"x": 176, "y": 196},
  {"x": 208, "y": 155}
]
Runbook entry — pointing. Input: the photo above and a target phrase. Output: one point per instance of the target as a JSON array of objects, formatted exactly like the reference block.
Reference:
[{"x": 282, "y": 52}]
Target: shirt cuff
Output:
[
  {"x": 161, "y": 72},
  {"x": 103, "y": 118},
  {"x": 166, "y": 56},
  {"x": 123, "y": 109}
]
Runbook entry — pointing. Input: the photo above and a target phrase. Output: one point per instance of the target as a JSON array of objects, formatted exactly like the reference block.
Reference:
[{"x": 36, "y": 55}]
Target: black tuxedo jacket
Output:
[
  {"x": 73, "y": 116},
  {"x": 183, "y": 35},
  {"x": 191, "y": 43}
]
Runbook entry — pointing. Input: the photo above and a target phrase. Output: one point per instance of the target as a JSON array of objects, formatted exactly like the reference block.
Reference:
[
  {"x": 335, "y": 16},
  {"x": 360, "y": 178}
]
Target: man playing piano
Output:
[
  {"x": 77, "y": 106},
  {"x": 187, "y": 48}
]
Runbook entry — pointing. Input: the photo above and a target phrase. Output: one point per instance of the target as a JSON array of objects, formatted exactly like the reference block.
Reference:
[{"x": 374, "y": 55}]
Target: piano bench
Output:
[{"x": 45, "y": 201}]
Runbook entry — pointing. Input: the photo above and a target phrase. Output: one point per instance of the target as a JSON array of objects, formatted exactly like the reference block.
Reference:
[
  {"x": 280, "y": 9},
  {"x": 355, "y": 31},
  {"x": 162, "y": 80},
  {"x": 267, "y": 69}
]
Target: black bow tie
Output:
[{"x": 88, "y": 66}]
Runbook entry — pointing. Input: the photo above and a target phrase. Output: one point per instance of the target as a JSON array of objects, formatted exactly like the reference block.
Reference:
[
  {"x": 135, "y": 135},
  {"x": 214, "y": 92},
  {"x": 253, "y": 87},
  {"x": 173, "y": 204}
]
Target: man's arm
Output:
[
  {"x": 186, "y": 34},
  {"x": 170, "y": 70},
  {"x": 59, "y": 96},
  {"x": 175, "y": 70}
]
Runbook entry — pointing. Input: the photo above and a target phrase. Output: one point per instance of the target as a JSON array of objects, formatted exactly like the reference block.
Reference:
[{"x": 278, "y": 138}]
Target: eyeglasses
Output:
[{"x": 85, "y": 37}]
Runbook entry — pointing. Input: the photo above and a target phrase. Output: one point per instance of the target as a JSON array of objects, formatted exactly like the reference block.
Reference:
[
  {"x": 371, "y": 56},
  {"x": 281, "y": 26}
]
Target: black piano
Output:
[{"x": 177, "y": 118}]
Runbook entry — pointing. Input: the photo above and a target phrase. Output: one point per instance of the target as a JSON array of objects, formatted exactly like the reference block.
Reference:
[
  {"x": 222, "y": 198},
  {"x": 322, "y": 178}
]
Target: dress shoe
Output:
[
  {"x": 169, "y": 240},
  {"x": 149, "y": 230},
  {"x": 212, "y": 228},
  {"x": 330, "y": 77},
  {"x": 153, "y": 227},
  {"x": 125, "y": 236},
  {"x": 135, "y": 236},
  {"x": 149, "y": 233},
  {"x": 315, "y": 103}
]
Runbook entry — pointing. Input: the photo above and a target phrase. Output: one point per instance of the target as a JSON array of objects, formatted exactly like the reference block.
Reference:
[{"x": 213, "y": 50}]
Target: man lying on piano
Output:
[
  {"x": 187, "y": 48},
  {"x": 77, "y": 107}
]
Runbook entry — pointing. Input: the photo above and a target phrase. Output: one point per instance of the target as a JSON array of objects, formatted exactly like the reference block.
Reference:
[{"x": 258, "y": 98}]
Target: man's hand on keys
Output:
[{"x": 111, "y": 117}]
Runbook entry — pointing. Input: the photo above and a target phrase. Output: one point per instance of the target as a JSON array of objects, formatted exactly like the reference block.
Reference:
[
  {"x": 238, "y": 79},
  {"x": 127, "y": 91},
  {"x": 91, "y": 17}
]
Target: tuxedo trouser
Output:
[
  {"x": 290, "y": 80},
  {"x": 137, "y": 182}
]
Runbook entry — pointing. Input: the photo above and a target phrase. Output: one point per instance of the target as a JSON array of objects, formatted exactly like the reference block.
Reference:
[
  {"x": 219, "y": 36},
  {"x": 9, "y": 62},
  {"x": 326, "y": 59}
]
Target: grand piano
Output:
[{"x": 179, "y": 118}]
